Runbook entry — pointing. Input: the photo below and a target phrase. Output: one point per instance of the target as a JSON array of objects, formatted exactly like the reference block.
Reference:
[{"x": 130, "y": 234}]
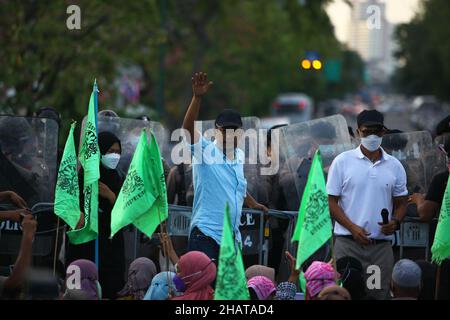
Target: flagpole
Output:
[
  {"x": 438, "y": 283},
  {"x": 56, "y": 247},
  {"x": 162, "y": 231}
]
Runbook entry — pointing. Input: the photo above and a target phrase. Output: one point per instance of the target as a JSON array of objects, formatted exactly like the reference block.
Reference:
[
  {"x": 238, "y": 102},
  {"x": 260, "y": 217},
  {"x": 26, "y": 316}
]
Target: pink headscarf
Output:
[
  {"x": 263, "y": 286},
  {"x": 202, "y": 271},
  {"x": 319, "y": 276}
]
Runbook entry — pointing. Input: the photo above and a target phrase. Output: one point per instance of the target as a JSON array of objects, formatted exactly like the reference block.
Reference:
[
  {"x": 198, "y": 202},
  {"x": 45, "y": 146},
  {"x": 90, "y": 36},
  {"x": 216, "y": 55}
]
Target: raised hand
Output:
[
  {"x": 17, "y": 200},
  {"x": 200, "y": 84}
]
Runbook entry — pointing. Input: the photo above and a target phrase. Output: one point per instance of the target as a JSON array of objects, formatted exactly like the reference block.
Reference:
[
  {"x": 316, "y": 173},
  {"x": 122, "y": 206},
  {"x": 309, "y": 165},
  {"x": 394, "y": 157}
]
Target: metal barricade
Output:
[
  {"x": 254, "y": 239},
  {"x": 414, "y": 234}
]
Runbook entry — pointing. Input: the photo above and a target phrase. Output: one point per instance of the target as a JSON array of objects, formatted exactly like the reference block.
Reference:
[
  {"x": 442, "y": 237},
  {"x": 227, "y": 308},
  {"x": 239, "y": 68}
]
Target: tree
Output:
[
  {"x": 424, "y": 51},
  {"x": 251, "y": 49}
]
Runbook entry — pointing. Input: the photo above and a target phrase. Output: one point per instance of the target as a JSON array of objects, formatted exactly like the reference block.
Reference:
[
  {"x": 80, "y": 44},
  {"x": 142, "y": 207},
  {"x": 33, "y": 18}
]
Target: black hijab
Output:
[{"x": 110, "y": 177}]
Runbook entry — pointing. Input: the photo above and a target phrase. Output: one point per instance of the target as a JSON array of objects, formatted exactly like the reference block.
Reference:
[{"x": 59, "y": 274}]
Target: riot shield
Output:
[
  {"x": 418, "y": 155},
  {"x": 128, "y": 131},
  {"x": 422, "y": 160},
  {"x": 298, "y": 143},
  {"x": 249, "y": 143},
  {"x": 28, "y": 166},
  {"x": 28, "y": 157}
]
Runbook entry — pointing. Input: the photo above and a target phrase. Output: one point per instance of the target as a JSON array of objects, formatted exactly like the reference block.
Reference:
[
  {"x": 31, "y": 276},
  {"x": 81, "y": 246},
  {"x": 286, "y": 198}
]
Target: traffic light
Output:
[
  {"x": 317, "y": 64},
  {"x": 311, "y": 62},
  {"x": 306, "y": 64}
]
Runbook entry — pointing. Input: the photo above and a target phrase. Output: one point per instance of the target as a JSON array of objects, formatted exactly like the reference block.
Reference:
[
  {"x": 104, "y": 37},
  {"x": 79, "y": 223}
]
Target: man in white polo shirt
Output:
[{"x": 361, "y": 183}]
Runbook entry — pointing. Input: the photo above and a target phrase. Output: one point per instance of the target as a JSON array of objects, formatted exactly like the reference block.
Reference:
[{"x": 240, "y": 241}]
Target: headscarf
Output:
[
  {"x": 140, "y": 274},
  {"x": 319, "y": 276},
  {"x": 160, "y": 286},
  {"x": 334, "y": 292},
  {"x": 286, "y": 291},
  {"x": 89, "y": 278},
  {"x": 110, "y": 177},
  {"x": 260, "y": 270},
  {"x": 199, "y": 272},
  {"x": 263, "y": 286},
  {"x": 105, "y": 141}
]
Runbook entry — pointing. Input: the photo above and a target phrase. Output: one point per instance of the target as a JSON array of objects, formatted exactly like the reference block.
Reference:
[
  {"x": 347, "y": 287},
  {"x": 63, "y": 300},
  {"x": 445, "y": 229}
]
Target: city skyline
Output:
[{"x": 397, "y": 11}]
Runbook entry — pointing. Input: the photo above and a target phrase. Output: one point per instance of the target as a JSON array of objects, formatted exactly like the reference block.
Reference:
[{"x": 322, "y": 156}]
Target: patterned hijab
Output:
[
  {"x": 263, "y": 286},
  {"x": 319, "y": 276}
]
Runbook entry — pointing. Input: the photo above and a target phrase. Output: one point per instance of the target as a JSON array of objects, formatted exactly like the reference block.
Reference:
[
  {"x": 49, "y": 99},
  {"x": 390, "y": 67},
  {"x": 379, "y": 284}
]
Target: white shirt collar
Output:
[{"x": 361, "y": 155}]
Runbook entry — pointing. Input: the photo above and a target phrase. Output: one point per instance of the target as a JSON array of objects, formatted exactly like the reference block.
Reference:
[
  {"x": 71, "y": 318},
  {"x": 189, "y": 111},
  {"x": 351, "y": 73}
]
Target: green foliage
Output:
[
  {"x": 424, "y": 51},
  {"x": 250, "y": 49}
]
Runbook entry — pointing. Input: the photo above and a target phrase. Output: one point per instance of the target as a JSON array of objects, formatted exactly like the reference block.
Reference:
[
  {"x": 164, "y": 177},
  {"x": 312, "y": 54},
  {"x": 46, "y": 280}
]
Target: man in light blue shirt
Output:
[{"x": 218, "y": 176}]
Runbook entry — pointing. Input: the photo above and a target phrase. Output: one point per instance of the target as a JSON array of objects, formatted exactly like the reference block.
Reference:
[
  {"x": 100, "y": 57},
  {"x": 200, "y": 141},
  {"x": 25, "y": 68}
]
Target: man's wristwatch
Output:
[{"x": 397, "y": 222}]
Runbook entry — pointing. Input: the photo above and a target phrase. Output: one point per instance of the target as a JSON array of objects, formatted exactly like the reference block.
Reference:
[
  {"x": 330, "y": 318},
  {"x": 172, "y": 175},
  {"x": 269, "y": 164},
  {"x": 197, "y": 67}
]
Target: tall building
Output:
[{"x": 370, "y": 35}]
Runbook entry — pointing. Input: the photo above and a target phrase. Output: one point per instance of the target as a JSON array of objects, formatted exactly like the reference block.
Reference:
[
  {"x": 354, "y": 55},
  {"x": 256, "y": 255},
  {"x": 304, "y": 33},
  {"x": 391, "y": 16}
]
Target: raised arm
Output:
[
  {"x": 200, "y": 86},
  {"x": 426, "y": 209},
  {"x": 16, "y": 279}
]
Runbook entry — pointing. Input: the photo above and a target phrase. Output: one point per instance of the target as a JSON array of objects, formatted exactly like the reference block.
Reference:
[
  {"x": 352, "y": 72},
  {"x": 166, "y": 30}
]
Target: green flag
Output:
[
  {"x": 313, "y": 227},
  {"x": 441, "y": 245},
  {"x": 67, "y": 194},
  {"x": 89, "y": 157},
  {"x": 231, "y": 282},
  {"x": 143, "y": 197}
]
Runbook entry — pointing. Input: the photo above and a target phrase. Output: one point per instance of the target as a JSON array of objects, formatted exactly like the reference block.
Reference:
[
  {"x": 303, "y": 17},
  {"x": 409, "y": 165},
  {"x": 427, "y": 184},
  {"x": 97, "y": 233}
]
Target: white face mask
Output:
[
  {"x": 372, "y": 142},
  {"x": 110, "y": 160}
]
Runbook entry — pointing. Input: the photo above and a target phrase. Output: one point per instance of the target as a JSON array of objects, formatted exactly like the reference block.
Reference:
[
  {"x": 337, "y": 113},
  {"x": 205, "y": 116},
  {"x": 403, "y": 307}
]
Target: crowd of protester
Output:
[
  {"x": 195, "y": 276},
  {"x": 194, "y": 271}
]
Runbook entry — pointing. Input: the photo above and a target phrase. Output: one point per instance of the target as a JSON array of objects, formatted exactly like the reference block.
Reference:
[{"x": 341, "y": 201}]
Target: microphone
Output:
[{"x": 385, "y": 216}]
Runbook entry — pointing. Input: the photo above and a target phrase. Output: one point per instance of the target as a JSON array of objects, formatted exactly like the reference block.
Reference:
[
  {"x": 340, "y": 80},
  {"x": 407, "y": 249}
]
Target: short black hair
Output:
[
  {"x": 428, "y": 280},
  {"x": 351, "y": 271}
]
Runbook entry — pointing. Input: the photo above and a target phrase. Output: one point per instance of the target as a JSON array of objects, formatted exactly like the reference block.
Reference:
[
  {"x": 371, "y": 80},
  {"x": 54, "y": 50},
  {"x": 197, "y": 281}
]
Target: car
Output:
[{"x": 298, "y": 107}]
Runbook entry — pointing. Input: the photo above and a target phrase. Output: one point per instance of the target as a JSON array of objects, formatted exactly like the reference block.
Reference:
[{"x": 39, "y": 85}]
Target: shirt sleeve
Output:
[
  {"x": 400, "y": 189},
  {"x": 335, "y": 180}
]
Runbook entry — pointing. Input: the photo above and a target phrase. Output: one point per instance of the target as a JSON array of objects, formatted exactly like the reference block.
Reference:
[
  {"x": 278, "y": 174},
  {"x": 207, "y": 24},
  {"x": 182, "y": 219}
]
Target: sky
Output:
[{"x": 397, "y": 11}]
